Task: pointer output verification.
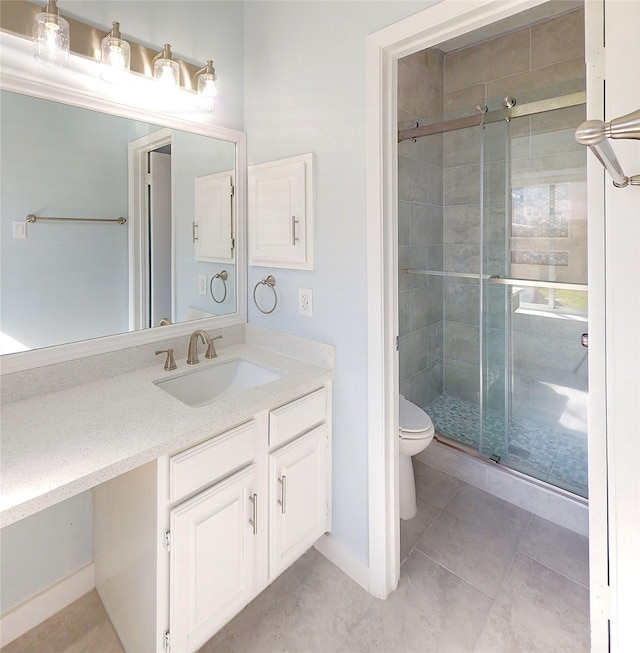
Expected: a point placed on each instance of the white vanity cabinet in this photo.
(183, 543)
(298, 479)
(211, 560)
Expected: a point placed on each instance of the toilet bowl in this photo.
(416, 432)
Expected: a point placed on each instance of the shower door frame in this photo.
(443, 21)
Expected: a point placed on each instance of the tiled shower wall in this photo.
(420, 216)
(522, 64)
(439, 205)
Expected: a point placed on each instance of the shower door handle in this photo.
(584, 340)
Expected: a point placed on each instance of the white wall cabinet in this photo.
(280, 213)
(182, 544)
(213, 226)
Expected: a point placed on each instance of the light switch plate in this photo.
(202, 284)
(19, 229)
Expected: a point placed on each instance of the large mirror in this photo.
(173, 260)
(76, 147)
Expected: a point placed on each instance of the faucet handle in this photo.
(170, 363)
(211, 350)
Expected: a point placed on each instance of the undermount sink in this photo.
(202, 386)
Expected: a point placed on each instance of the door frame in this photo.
(436, 24)
(139, 228)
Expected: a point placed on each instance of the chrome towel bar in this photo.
(593, 134)
(37, 218)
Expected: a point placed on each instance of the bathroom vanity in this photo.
(184, 542)
(196, 509)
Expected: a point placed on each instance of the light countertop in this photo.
(57, 445)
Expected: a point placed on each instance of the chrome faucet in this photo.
(192, 354)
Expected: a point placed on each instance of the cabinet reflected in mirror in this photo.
(74, 280)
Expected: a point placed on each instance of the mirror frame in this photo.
(80, 85)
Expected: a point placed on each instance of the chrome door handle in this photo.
(584, 339)
(254, 519)
(282, 501)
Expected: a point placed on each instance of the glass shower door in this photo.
(534, 310)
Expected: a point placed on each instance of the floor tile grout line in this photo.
(464, 580)
(355, 625)
(516, 551)
(555, 571)
(421, 536)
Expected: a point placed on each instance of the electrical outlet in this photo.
(202, 284)
(305, 302)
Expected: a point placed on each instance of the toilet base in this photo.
(408, 505)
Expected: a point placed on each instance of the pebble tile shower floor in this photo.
(478, 575)
(557, 456)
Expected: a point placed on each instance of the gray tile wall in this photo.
(440, 214)
(420, 220)
(524, 64)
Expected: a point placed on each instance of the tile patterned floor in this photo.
(478, 575)
(557, 456)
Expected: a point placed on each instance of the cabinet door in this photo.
(297, 498)
(213, 234)
(281, 213)
(211, 559)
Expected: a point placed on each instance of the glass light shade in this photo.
(207, 90)
(51, 39)
(166, 71)
(116, 57)
(207, 86)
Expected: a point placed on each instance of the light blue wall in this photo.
(41, 549)
(305, 92)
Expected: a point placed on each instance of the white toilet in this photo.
(416, 432)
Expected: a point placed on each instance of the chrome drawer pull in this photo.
(283, 500)
(254, 520)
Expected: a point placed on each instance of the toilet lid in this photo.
(412, 418)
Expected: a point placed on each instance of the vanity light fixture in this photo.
(51, 36)
(115, 56)
(207, 91)
(166, 71)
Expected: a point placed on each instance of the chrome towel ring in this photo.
(271, 282)
(223, 276)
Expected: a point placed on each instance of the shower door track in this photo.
(467, 450)
(517, 111)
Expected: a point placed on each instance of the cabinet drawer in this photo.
(297, 417)
(211, 460)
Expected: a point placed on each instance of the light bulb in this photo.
(166, 71)
(207, 89)
(51, 37)
(116, 56)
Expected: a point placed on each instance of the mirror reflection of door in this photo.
(159, 225)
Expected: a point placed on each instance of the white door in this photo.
(213, 233)
(159, 237)
(211, 560)
(298, 498)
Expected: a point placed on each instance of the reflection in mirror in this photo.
(64, 281)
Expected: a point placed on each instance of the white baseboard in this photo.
(46, 603)
(344, 559)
